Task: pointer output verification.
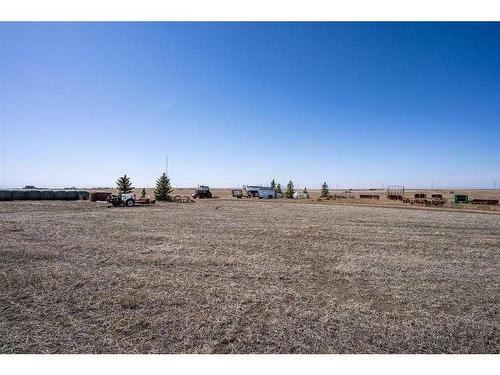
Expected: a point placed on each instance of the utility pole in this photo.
(166, 164)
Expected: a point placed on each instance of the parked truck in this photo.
(117, 200)
(128, 200)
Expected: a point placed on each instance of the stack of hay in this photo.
(42, 194)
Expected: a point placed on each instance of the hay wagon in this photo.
(395, 192)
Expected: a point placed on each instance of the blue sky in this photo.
(355, 104)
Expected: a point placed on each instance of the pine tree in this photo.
(163, 188)
(278, 189)
(289, 190)
(124, 185)
(143, 193)
(325, 192)
(273, 185)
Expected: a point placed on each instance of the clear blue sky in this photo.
(358, 105)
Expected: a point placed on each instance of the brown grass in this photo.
(246, 277)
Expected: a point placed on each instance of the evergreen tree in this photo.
(163, 188)
(289, 190)
(124, 185)
(143, 193)
(278, 189)
(325, 192)
(273, 184)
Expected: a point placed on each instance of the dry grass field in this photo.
(245, 276)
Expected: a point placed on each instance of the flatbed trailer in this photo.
(484, 201)
(145, 201)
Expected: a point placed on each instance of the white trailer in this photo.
(261, 192)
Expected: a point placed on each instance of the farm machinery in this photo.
(421, 199)
(237, 193)
(128, 200)
(183, 199)
(463, 198)
(202, 192)
(395, 192)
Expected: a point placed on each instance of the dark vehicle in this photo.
(202, 192)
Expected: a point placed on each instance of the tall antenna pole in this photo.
(166, 163)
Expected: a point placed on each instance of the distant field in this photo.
(383, 201)
(246, 276)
